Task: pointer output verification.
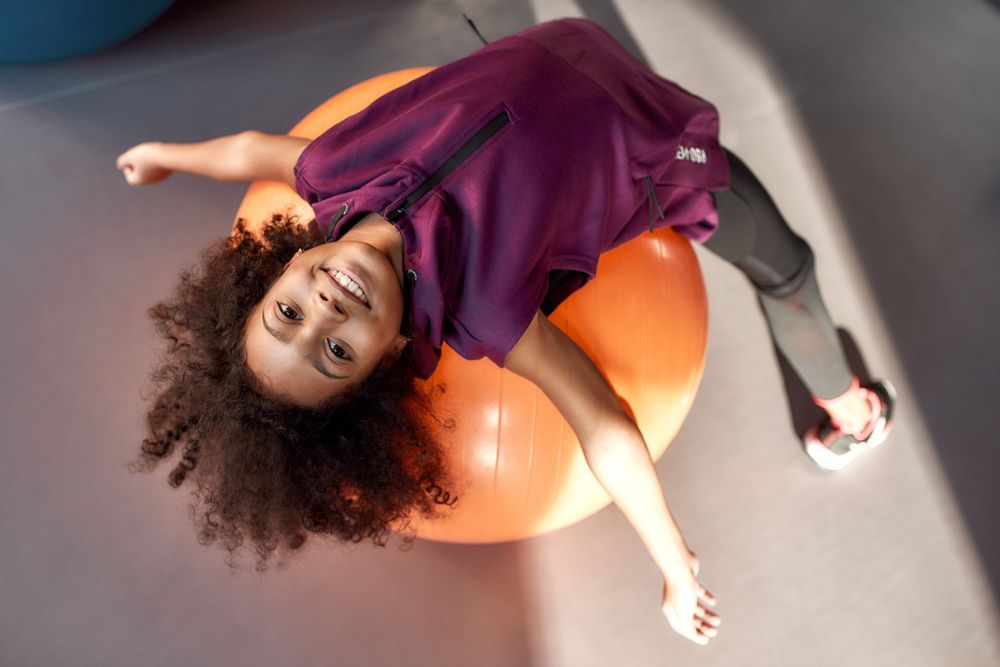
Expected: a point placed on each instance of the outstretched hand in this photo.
(684, 600)
(141, 166)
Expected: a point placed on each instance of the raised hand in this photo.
(141, 166)
(684, 600)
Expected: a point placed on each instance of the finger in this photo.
(708, 596)
(706, 626)
(707, 616)
(707, 630)
(698, 637)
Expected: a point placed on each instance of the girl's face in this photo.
(309, 339)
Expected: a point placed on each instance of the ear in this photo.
(396, 351)
(290, 260)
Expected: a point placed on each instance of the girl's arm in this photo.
(245, 156)
(617, 454)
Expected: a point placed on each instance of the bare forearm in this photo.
(220, 158)
(624, 468)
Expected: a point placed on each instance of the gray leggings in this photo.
(754, 237)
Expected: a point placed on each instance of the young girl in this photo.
(461, 208)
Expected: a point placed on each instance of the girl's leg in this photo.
(754, 237)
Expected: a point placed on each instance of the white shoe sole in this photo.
(826, 459)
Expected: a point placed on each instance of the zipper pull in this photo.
(652, 198)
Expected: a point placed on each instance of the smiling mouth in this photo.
(340, 279)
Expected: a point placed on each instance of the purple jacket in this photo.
(508, 172)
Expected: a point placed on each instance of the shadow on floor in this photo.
(901, 126)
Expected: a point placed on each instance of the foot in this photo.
(832, 446)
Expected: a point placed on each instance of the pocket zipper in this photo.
(459, 156)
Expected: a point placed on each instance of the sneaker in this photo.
(832, 449)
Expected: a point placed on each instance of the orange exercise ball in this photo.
(517, 464)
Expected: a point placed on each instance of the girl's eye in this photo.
(334, 347)
(287, 311)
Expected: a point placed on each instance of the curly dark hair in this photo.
(265, 468)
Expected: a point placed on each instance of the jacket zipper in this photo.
(452, 163)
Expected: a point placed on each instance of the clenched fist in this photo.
(141, 166)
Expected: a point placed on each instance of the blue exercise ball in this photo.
(33, 31)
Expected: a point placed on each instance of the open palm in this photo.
(684, 605)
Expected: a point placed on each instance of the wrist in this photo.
(678, 562)
(163, 154)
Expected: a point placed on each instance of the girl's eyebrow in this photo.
(311, 359)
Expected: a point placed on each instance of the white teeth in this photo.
(351, 286)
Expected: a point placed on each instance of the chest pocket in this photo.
(495, 123)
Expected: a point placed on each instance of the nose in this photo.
(328, 303)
